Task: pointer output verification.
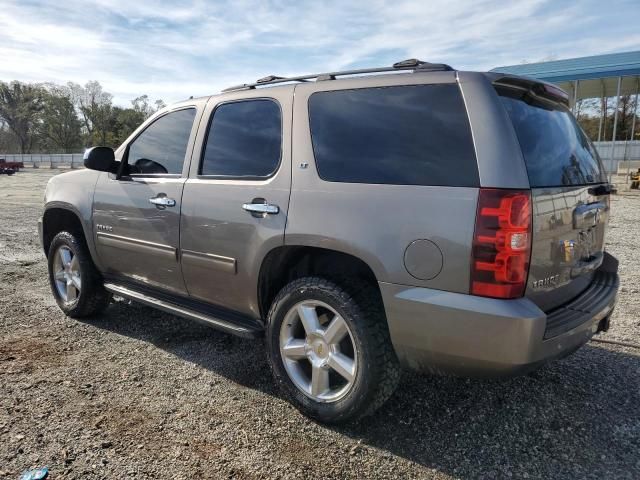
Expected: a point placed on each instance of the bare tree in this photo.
(94, 107)
(159, 104)
(141, 104)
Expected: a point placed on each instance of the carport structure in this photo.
(599, 76)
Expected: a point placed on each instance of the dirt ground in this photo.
(141, 394)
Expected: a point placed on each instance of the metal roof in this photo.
(583, 68)
(596, 74)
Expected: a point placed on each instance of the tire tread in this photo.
(94, 299)
(384, 368)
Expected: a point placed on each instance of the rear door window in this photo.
(406, 135)
(556, 150)
(244, 140)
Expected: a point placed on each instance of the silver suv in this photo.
(412, 216)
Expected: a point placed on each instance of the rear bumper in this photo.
(452, 333)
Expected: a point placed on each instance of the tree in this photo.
(141, 105)
(160, 104)
(56, 118)
(20, 108)
(128, 119)
(7, 138)
(591, 111)
(95, 108)
(625, 117)
(103, 119)
(60, 128)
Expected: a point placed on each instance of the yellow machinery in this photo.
(635, 180)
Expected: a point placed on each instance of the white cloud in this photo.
(172, 50)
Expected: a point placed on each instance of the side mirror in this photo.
(101, 159)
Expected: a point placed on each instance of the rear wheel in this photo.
(75, 282)
(329, 349)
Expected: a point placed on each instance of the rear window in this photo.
(408, 135)
(556, 150)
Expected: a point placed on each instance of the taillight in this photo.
(501, 243)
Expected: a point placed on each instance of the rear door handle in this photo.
(260, 208)
(163, 201)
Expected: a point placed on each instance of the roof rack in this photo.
(410, 64)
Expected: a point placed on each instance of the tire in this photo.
(90, 298)
(373, 369)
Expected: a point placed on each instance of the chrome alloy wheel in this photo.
(66, 273)
(318, 351)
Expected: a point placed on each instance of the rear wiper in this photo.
(605, 189)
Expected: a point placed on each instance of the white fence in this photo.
(624, 154)
(622, 151)
(44, 160)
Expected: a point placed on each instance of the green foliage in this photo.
(20, 108)
(59, 129)
(51, 118)
(127, 120)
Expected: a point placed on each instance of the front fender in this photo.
(73, 191)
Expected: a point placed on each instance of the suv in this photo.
(412, 216)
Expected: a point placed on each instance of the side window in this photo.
(244, 140)
(162, 146)
(406, 135)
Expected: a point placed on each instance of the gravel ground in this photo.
(138, 393)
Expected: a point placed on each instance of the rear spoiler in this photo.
(532, 85)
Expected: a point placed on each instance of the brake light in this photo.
(556, 92)
(501, 243)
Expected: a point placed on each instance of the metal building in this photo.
(599, 76)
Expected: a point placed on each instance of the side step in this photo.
(227, 326)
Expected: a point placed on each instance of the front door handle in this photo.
(163, 201)
(260, 208)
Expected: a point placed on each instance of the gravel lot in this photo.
(138, 393)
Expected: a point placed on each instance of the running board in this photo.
(184, 312)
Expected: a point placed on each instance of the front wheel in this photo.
(75, 282)
(329, 349)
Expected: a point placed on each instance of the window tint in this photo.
(162, 146)
(556, 151)
(414, 135)
(244, 140)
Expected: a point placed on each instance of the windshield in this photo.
(556, 150)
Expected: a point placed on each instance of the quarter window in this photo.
(407, 135)
(244, 140)
(162, 146)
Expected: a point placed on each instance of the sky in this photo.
(172, 50)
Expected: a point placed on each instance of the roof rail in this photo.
(410, 64)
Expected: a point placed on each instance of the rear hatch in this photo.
(570, 200)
